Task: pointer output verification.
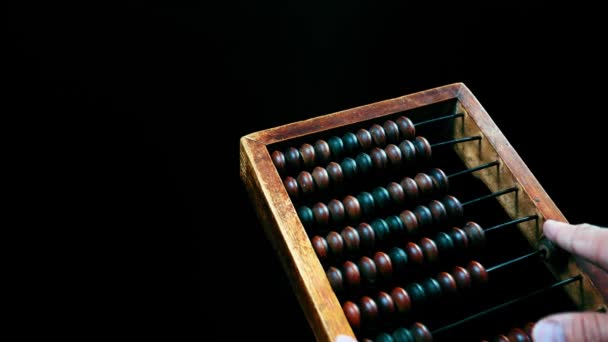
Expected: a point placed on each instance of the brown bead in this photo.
(406, 127)
(278, 159)
(395, 191)
(425, 185)
(459, 237)
(307, 152)
(292, 187)
(351, 240)
(383, 265)
(429, 249)
(378, 135)
(478, 273)
(476, 235)
(306, 182)
(411, 190)
(352, 208)
(321, 214)
(423, 149)
(352, 277)
(386, 306)
(367, 268)
(334, 170)
(379, 158)
(394, 155)
(335, 279)
(410, 222)
(367, 236)
(292, 159)
(414, 253)
(353, 314)
(322, 152)
(392, 131)
(528, 329)
(320, 246)
(369, 309)
(462, 278)
(402, 300)
(365, 139)
(408, 153)
(336, 211)
(518, 335)
(335, 243)
(421, 333)
(321, 178)
(448, 284)
(440, 215)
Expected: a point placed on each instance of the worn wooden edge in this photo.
(357, 114)
(531, 198)
(288, 237)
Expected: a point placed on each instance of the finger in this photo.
(344, 338)
(584, 327)
(584, 240)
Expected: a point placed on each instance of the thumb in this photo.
(586, 326)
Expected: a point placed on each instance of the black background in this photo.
(135, 113)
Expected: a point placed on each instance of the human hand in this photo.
(591, 243)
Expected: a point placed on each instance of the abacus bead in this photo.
(335, 279)
(334, 170)
(518, 335)
(366, 201)
(395, 190)
(445, 246)
(365, 139)
(500, 338)
(414, 254)
(392, 131)
(369, 309)
(462, 278)
(381, 230)
(429, 249)
(335, 243)
(379, 158)
(440, 214)
(336, 147)
(448, 284)
(440, 181)
(398, 260)
(291, 185)
(321, 213)
(421, 333)
(349, 168)
(352, 313)
(423, 216)
(408, 153)
(364, 164)
(352, 277)
(351, 143)
(406, 127)
(478, 273)
(412, 193)
(460, 240)
(403, 335)
(321, 178)
(352, 208)
(367, 236)
(292, 159)
(322, 152)
(452, 206)
(382, 199)
(307, 152)
(320, 246)
(306, 182)
(384, 337)
(432, 289)
(378, 135)
(336, 211)
(278, 159)
(383, 265)
(423, 149)
(395, 226)
(402, 300)
(425, 185)
(410, 222)
(394, 155)
(306, 216)
(476, 235)
(386, 306)
(368, 271)
(351, 240)
(417, 295)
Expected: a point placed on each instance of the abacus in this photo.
(411, 219)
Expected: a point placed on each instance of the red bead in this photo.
(392, 131)
(335, 279)
(459, 237)
(462, 278)
(335, 243)
(429, 249)
(394, 155)
(292, 187)
(352, 208)
(410, 187)
(518, 335)
(402, 300)
(395, 191)
(475, 235)
(478, 273)
(421, 333)
(425, 185)
(448, 284)
(352, 313)
(351, 240)
(367, 268)
(308, 155)
(379, 158)
(320, 246)
(334, 170)
(414, 253)
(365, 139)
(440, 215)
(406, 127)
(352, 276)
(321, 214)
(278, 159)
(410, 222)
(306, 182)
(369, 309)
(383, 265)
(367, 236)
(336, 211)
(378, 135)
(322, 152)
(386, 306)
(321, 178)
(408, 153)
(292, 159)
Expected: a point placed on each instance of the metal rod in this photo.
(451, 116)
(516, 221)
(473, 169)
(494, 194)
(456, 141)
(507, 263)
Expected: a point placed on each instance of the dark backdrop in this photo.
(140, 108)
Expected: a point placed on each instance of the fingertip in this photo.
(344, 338)
(551, 228)
(548, 331)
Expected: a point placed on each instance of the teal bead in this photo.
(349, 168)
(336, 147)
(306, 216)
(382, 198)
(364, 164)
(351, 143)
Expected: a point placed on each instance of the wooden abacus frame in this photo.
(288, 236)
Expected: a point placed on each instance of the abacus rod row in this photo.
(518, 259)
(516, 221)
(451, 116)
(473, 169)
(511, 302)
(456, 141)
(494, 194)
